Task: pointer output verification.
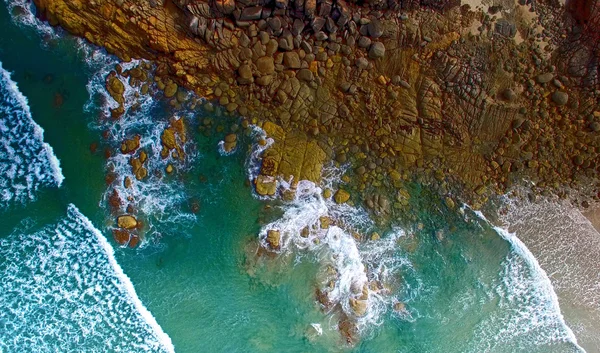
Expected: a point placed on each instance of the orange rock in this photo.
(121, 236)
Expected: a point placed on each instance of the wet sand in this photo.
(566, 243)
(593, 215)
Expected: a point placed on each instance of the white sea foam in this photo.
(253, 162)
(23, 13)
(62, 290)
(567, 246)
(348, 266)
(27, 163)
(529, 306)
(155, 197)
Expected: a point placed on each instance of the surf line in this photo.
(22, 104)
(163, 338)
(521, 249)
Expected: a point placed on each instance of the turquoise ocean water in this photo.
(450, 282)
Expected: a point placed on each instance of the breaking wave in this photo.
(356, 276)
(62, 290)
(530, 313)
(23, 13)
(27, 163)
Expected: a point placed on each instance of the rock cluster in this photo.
(465, 100)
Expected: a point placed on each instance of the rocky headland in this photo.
(482, 97)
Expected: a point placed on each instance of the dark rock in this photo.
(364, 42)
(560, 97)
(321, 36)
(317, 24)
(286, 42)
(375, 29)
(330, 25)
(251, 13)
(306, 47)
(505, 28)
(291, 60)
(310, 8)
(377, 50)
(305, 75)
(325, 8)
(274, 23)
(362, 63)
(350, 42)
(297, 27)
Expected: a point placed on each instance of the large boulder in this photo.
(230, 142)
(274, 239)
(341, 196)
(377, 50)
(265, 185)
(116, 89)
(170, 90)
(245, 74)
(560, 97)
(126, 222)
(375, 28)
(291, 60)
(265, 65)
(130, 145)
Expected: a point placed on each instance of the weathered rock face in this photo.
(131, 30)
(390, 91)
(292, 156)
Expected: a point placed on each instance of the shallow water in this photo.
(465, 286)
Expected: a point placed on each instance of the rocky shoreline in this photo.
(470, 99)
(438, 90)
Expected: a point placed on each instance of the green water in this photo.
(464, 289)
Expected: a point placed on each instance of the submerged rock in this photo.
(359, 307)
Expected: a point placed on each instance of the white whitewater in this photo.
(27, 163)
(350, 269)
(62, 290)
(22, 13)
(154, 195)
(526, 286)
(567, 246)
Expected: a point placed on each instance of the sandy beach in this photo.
(566, 243)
